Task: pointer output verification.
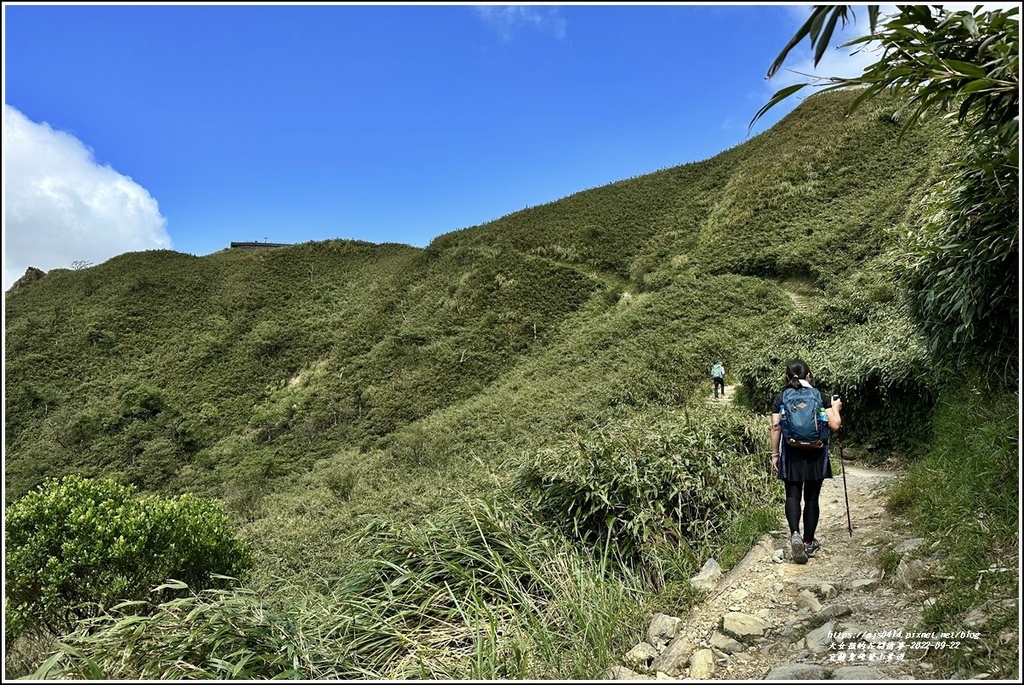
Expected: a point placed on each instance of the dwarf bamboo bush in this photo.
(648, 481)
(415, 374)
(965, 494)
(861, 344)
(383, 336)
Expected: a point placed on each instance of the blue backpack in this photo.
(803, 420)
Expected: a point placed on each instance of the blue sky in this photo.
(189, 126)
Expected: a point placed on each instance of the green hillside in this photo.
(186, 373)
(351, 402)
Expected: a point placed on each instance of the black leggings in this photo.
(811, 490)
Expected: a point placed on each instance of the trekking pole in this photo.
(842, 464)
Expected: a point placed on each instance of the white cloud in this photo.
(506, 20)
(61, 206)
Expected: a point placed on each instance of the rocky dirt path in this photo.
(838, 616)
(835, 617)
(805, 611)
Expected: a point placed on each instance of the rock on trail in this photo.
(835, 617)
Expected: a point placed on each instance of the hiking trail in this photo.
(723, 398)
(839, 616)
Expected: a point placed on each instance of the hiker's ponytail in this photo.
(796, 370)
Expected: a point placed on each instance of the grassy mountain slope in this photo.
(341, 395)
(406, 373)
(180, 372)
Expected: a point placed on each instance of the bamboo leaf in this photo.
(778, 97)
(968, 69)
(826, 38)
(46, 670)
(817, 14)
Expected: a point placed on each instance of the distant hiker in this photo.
(718, 378)
(801, 421)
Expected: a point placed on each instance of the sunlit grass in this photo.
(482, 594)
(965, 495)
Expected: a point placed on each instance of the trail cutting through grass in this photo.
(850, 612)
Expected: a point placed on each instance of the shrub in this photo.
(142, 401)
(964, 493)
(640, 485)
(341, 481)
(870, 355)
(75, 547)
(183, 637)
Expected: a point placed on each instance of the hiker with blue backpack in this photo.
(801, 420)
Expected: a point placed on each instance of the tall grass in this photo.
(965, 493)
(325, 385)
(663, 488)
(484, 593)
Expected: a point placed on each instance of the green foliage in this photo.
(971, 468)
(215, 634)
(74, 548)
(962, 259)
(24, 655)
(964, 61)
(482, 592)
(816, 207)
(963, 264)
(642, 484)
(597, 302)
(341, 482)
(861, 344)
(142, 401)
(965, 495)
(819, 27)
(887, 562)
(336, 396)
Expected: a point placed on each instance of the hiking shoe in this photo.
(799, 551)
(811, 547)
